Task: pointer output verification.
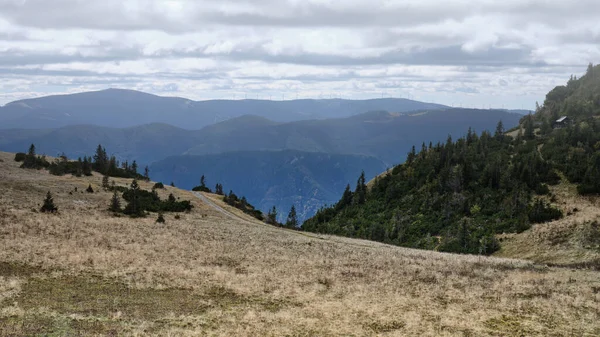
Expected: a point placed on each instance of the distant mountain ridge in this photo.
(127, 108)
(386, 136)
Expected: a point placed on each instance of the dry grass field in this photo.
(85, 272)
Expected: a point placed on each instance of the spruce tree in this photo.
(499, 130)
(105, 183)
(346, 199)
(360, 194)
(89, 189)
(134, 207)
(147, 173)
(48, 205)
(292, 219)
(161, 218)
(272, 216)
(134, 167)
(529, 127)
(115, 203)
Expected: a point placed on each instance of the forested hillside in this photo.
(455, 196)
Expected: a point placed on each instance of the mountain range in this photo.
(279, 143)
(127, 108)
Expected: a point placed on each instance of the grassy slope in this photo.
(567, 241)
(83, 271)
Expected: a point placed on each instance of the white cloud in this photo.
(480, 53)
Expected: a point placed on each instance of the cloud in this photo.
(512, 51)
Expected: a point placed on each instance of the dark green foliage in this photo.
(159, 185)
(243, 205)
(272, 217)
(146, 173)
(115, 203)
(161, 218)
(541, 211)
(219, 189)
(20, 156)
(89, 189)
(32, 161)
(451, 197)
(172, 184)
(141, 201)
(48, 205)
(62, 166)
(134, 206)
(202, 187)
(292, 219)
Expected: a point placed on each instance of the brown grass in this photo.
(571, 240)
(84, 272)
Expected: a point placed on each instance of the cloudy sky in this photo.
(457, 52)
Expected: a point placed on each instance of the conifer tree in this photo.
(100, 159)
(360, 194)
(86, 167)
(48, 205)
(147, 173)
(499, 130)
(115, 203)
(89, 189)
(161, 218)
(105, 183)
(346, 199)
(272, 216)
(292, 219)
(134, 167)
(529, 128)
(134, 207)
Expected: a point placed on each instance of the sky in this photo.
(480, 54)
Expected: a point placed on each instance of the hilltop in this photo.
(216, 271)
(490, 192)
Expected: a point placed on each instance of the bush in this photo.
(89, 189)
(542, 211)
(158, 185)
(20, 156)
(161, 218)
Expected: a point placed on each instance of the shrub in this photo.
(158, 185)
(20, 156)
(89, 189)
(161, 218)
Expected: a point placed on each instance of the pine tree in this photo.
(161, 218)
(134, 207)
(115, 203)
(292, 219)
(360, 194)
(346, 199)
(100, 160)
(86, 167)
(89, 189)
(219, 189)
(172, 184)
(529, 127)
(134, 167)
(105, 183)
(49, 204)
(147, 173)
(272, 216)
(499, 130)
(30, 159)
